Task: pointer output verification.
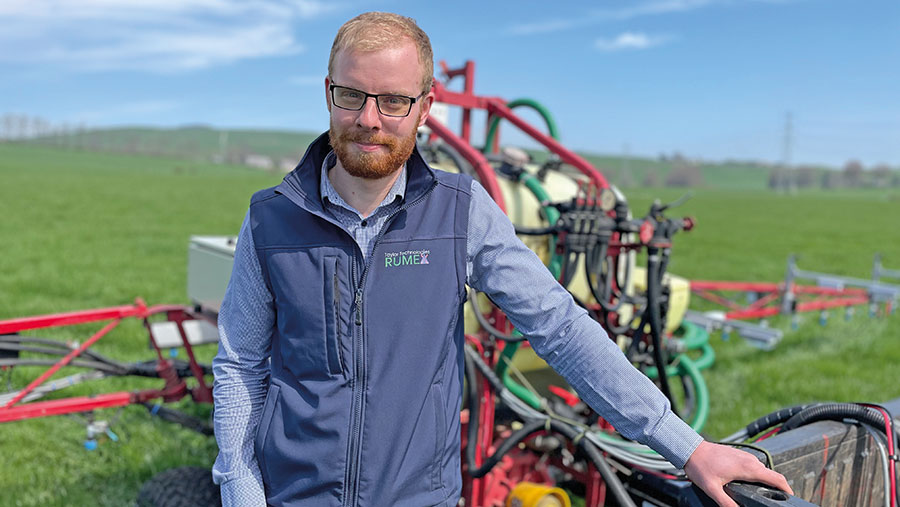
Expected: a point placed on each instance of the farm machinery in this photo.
(527, 439)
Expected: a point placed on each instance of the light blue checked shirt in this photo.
(498, 264)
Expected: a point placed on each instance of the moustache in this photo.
(362, 137)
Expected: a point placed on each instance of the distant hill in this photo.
(194, 142)
(284, 148)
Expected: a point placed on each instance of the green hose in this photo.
(550, 213)
(502, 370)
(697, 338)
(495, 122)
(693, 336)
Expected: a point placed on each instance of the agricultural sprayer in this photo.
(527, 439)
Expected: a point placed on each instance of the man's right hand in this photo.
(712, 466)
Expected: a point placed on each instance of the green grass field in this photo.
(83, 230)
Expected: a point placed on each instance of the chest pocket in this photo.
(333, 325)
(312, 297)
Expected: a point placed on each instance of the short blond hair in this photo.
(373, 31)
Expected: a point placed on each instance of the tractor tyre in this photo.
(180, 487)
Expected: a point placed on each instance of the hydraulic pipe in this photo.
(533, 104)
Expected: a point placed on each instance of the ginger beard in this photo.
(371, 165)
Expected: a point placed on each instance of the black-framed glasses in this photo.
(388, 104)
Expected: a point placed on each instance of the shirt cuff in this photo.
(244, 491)
(674, 439)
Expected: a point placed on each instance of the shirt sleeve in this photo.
(564, 335)
(241, 375)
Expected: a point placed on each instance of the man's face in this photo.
(369, 144)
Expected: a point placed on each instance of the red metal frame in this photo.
(494, 106)
(174, 389)
(493, 489)
(808, 297)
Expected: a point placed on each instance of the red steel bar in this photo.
(716, 298)
(829, 291)
(807, 306)
(765, 300)
(498, 107)
(831, 303)
(468, 74)
(62, 362)
(202, 391)
(773, 287)
(66, 406)
(139, 309)
(479, 163)
(736, 286)
(752, 314)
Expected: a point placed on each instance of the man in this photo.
(359, 402)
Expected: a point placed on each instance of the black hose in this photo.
(638, 335)
(176, 416)
(569, 265)
(612, 480)
(594, 266)
(775, 418)
(461, 164)
(568, 431)
(493, 331)
(59, 345)
(485, 370)
(834, 412)
(37, 350)
(143, 369)
(474, 408)
(654, 283)
(690, 396)
(538, 231)
(78, 363)
(182, 368)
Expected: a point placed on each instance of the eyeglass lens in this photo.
(391, 105)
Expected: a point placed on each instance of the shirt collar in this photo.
(328, 192)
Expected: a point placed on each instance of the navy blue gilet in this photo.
(367, 360)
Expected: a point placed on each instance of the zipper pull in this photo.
(359, 307)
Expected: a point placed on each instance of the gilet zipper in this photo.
(351, 479)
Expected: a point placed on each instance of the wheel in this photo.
(180, 487)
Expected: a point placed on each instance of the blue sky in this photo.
(709, 78)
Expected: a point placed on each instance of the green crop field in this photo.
(83, 230)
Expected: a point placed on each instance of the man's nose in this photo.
(369, 117)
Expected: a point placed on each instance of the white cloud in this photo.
(630, 41)
(555, 25)
(151, 35)
(651, 8)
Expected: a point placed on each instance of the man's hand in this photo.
(712, 466)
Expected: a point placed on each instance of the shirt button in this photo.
(364, 223)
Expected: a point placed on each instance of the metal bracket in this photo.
(879, 292)
(757, 495)
(759, 336)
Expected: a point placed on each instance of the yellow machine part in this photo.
(529, 494)
(679, 295)
(524, 210)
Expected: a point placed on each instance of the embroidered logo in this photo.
(406, 258)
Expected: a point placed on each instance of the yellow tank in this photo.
(529, 494)
(679, 295)
(524, 210)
